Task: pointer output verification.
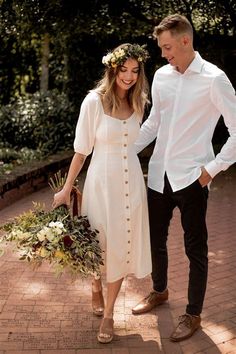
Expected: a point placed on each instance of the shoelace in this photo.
(151, 296)
(186, 319)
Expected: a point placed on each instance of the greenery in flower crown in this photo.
(66, 241)
(119, 56)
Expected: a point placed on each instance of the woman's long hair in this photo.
(138, 94)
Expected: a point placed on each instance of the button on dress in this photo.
(114, 194)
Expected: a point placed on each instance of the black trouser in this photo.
(192, 202)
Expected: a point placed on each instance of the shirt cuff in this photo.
(212, 168)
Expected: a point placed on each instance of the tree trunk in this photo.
(45, 64)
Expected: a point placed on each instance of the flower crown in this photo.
(119, 56)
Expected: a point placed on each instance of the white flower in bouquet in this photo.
(66, 241)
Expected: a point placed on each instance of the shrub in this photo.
(44, 122)
(9, 158)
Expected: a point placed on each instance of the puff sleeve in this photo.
(85, 132)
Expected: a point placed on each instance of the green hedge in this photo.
(44, 122)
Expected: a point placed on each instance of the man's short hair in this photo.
(176, 24)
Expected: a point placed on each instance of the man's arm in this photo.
(149, 129)
(223, 97)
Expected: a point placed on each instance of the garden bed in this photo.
(30, 177)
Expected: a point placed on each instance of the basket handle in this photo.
(76, 198)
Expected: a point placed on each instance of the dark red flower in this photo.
(67, 241)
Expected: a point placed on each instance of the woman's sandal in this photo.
(106, 330)
(98, 303)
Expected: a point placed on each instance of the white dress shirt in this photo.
(185, 111)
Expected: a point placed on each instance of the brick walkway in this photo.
(40, 314)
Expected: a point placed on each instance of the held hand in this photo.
(62, 197)
(205, 178)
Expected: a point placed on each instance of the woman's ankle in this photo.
(96, 285)
(108, 314)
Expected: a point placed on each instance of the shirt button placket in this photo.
(126, 190)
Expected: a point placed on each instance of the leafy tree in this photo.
(58, 44)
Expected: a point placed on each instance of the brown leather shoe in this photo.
(188, 324)
(149, 302)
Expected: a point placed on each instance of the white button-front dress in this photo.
(114, 194)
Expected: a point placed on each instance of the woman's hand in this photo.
(62, 197)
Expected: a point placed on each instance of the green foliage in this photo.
(65, 240)
(40, 122)
(80, 34)
(57, 181)
(9, 158)
(55, 236)
(8, 155)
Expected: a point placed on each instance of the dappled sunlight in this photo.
(217, 257)
(222, 332)
(35, 287)
(47, 309)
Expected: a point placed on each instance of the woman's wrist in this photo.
(67, 188)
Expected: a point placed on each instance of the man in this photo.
(189, 94)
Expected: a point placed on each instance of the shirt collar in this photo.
(196, 64)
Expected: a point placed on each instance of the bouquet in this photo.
(67, 241)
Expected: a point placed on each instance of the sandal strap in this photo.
(98, 303)
(97, 295)
(107, 326)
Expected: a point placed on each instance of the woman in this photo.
(114, 195)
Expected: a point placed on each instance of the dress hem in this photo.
(127, 274)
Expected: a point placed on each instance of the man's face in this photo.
(173, 48)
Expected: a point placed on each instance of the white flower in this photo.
(56, 224)
(57, 227)
(46, 233)
(119, 53)
(41, 235)
(107, 58)
(118, 57)
(50, 235)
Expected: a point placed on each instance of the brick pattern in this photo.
(40, 314)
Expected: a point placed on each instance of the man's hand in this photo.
(205, 178)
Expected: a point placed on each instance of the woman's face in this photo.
(127, 75)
